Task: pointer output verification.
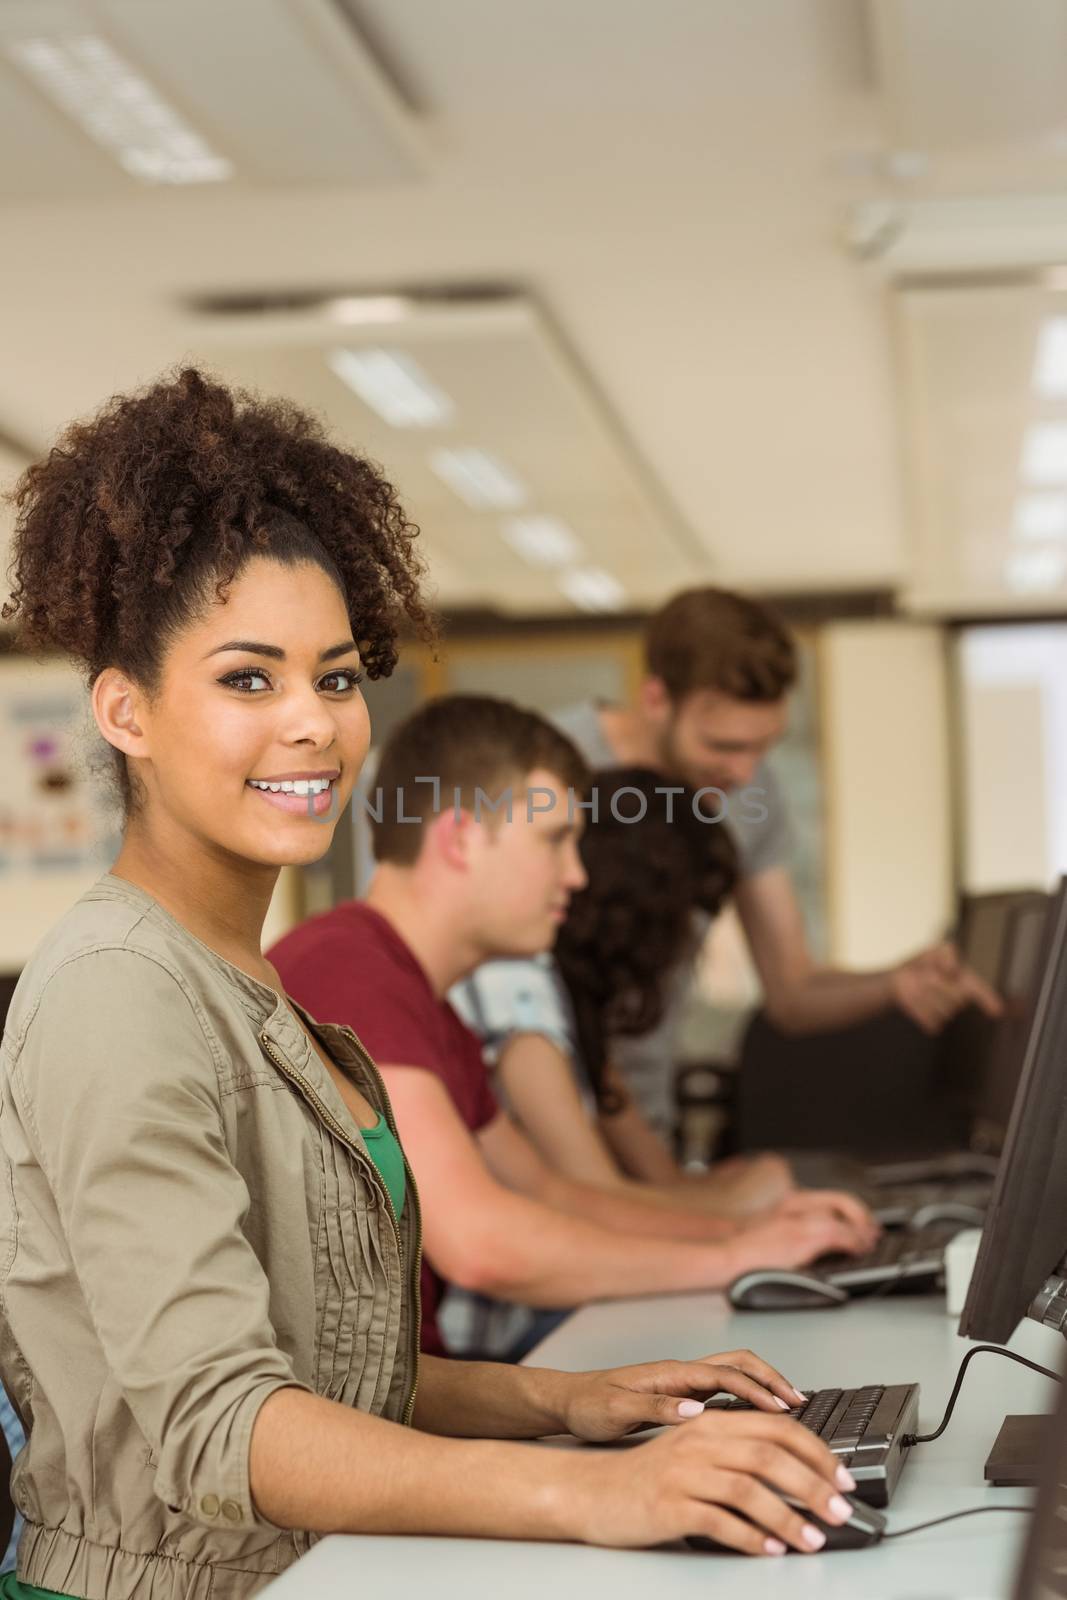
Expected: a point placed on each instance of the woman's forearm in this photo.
(489, 1399)
(308, 1469)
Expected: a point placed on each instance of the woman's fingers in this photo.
(711, 1521)
(766, 1512)
(783, 1469)
(741, 1373)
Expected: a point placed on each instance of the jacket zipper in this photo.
(327, 1116)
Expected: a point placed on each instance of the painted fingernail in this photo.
(773, 1547)
(690, 1408)
(840, 1508)
(800, 1395)
(814, 1538)
(780, 1402)
(844, 1479)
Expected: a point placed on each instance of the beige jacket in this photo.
(189, 1220)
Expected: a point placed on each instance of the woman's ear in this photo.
(117, 706)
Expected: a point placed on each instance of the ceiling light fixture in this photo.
(1040, 516)
(482, 481)
(1050, 368)
(354, 309)
(593, 589)
(119, 109)
(1045, 453)
(394, 385)
(543, 541)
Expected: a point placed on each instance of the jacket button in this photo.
(209, 1505)
(231, 1511)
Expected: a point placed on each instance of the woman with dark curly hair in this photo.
(209, 1238)
(658, 872)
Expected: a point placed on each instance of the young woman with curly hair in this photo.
(209, 1239)
(657, 873)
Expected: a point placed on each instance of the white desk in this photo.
(883, 1342)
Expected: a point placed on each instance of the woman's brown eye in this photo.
(349, 680)
(242, 680)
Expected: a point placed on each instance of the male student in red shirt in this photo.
(477, 858)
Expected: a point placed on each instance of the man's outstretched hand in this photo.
(936, 985)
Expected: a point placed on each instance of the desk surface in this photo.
(880, 1341)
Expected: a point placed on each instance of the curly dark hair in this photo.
(633, 923)
(135, 516)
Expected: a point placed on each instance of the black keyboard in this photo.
(865, 1429)
(910, 1259)
(903, 1194)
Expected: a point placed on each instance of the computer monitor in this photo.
(1017, 981)
(1042, 1573)
(1025, 1235)
(983, 926)
(980, 1053)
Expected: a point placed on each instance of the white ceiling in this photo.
(673, 182)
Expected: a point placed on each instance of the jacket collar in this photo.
(268, 1010)
(259, 999)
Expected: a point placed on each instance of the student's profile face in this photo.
(711, 740)
(527, 867)
(252, 691)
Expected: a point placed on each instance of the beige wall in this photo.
(1005, 817)
(886, 754)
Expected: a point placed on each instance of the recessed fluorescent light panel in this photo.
(394, 385)
(119, 109)
(353, 309)
(1041, 516)
(1050, 368)
(593, 589)
(543, 541)
(482, 481)
(1035, 571)
(1045, 453)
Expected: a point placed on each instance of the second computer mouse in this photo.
(865, 1527)
(774, 1289)
(935, 1211)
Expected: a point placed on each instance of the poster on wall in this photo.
(55, 813)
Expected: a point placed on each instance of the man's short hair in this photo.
(715, 639)
(469, 744)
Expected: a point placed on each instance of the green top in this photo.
(388, 1157)
(12, 1589)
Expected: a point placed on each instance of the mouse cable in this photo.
(935, 1522)
(994, 1350)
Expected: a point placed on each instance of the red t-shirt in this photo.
(349, 965)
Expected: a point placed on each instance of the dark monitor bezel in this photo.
(1001, 1067)
(1017, 1254)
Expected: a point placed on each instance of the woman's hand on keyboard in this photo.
(599, 1406)
(716, 1477)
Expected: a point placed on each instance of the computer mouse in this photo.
(960, 1211)
(774, 1289)
(865, 1527)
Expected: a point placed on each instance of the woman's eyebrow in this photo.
(276, 653)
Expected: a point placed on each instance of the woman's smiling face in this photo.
(263, 688)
